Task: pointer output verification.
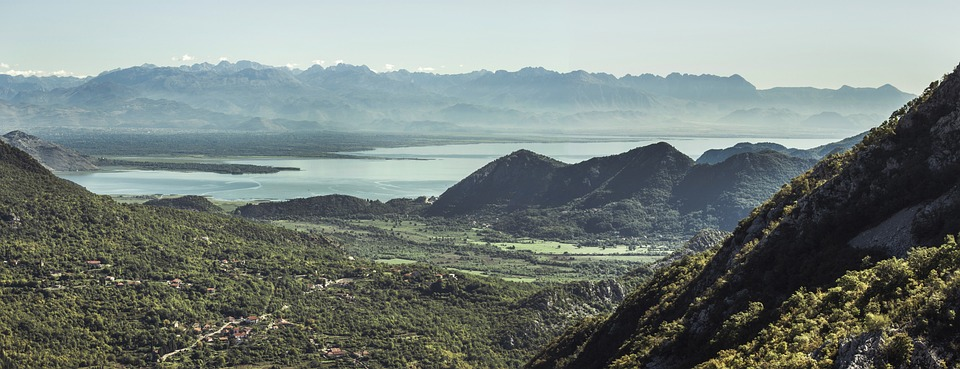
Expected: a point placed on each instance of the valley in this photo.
(477, 241)
(545, 250)
(243, 215)
(486, 252)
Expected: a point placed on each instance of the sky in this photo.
(771, 43)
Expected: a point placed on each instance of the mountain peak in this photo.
(511, 181)
(522, 153)
(19, 135)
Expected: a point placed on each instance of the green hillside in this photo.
(89, 282)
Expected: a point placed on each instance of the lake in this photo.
(373, 178)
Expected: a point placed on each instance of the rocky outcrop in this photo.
(51, 155)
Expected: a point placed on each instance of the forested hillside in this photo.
(852, 264)
(341, 206)
(88, 282)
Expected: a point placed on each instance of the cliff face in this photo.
(49, 154)
(898, 189)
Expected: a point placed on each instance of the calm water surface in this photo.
(373, 178)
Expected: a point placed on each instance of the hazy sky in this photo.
(769, 42)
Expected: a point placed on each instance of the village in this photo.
(231, 330)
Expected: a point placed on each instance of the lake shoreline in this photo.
(439, 167)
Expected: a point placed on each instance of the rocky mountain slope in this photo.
(49, 154)
(807, 280)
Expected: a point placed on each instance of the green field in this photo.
(462, 247)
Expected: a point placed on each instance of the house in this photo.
(94, 263)
(335, 352)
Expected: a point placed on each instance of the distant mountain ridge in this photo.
(351, 98)
(714, 156)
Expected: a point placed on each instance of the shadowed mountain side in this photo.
(646, 174)
(648, 189)
(724, 189)
(526, 179)
(517, 180)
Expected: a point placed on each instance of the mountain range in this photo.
(645, 190)
(248, 96)
(851, 265)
